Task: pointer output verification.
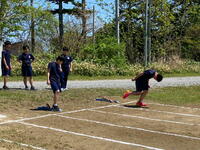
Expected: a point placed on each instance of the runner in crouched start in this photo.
(54, 79)
(142, 85)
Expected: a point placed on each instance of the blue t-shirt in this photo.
(55, 72)
(147, 74)
(66, 63)
(26, 59)
(7, 56)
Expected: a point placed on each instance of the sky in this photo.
(104, 15)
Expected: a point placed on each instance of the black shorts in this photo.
(55, 86)
(141, 85)
(6, 72)
(27, 71)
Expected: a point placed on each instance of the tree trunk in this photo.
(61, 24)
(84, 20)
(32, 28)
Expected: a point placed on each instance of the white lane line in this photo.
(74, 111)
(146, 118)
(90, 136)
(160, 111)
(167, 105)
(2, 116)
(133, 128)
(21, 144)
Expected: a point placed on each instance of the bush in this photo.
(105, 52)
(90, 68)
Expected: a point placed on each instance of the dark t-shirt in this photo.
(26, 59)
(55, 72)
(66, 63)
(7, 56)
(147, 74)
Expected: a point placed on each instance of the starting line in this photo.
(22, 144)
(130, 127)
(68, 112)
(95, 109)
(2, 116)
(90, 136)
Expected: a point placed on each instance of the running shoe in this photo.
(126, 94)
(26, 87)
(32, 88)
(141, 104)
(5, 87)
(56, 108)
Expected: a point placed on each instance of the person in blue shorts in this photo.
(26, 59)
(54, 79)
(5, 63)
(66, 68)
(142, 85)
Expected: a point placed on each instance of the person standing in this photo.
(66, 68)
(54, 79)
(5, 63)
(26, 59)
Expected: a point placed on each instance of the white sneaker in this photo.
(64, 89)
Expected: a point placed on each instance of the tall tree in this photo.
(61, 11)
(84, 20)
(32, 28)
(10, 13)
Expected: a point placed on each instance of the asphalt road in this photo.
(167, 82)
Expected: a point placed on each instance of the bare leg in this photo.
(25, 81)
(56, 97)
(136, 93)
(5, 79)
(142, 96)
(31, 81)
(131, 93)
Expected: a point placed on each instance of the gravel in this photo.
(167, 82)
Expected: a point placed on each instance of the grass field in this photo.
(170, 95)
(87, 124)
(79, 77)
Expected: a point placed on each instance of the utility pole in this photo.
(146, 35)
(149, 32)
(61, 24)
(93, 25)
(117, 20)
(32, 27)
(84, 20)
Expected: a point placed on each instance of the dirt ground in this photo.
(96, 125)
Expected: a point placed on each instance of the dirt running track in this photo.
(104, 126)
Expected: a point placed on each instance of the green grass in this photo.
(176, 95)
(79, 77)
(192, 74)
(171, 95)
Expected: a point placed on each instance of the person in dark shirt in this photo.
(142, 85)
(5, 63)
(66, 67)
(26, 59)
(54, 79)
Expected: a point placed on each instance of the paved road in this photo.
(175, 81)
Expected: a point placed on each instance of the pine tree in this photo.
(76, 10)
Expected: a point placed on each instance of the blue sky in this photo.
(106, 14)
(103, 15)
